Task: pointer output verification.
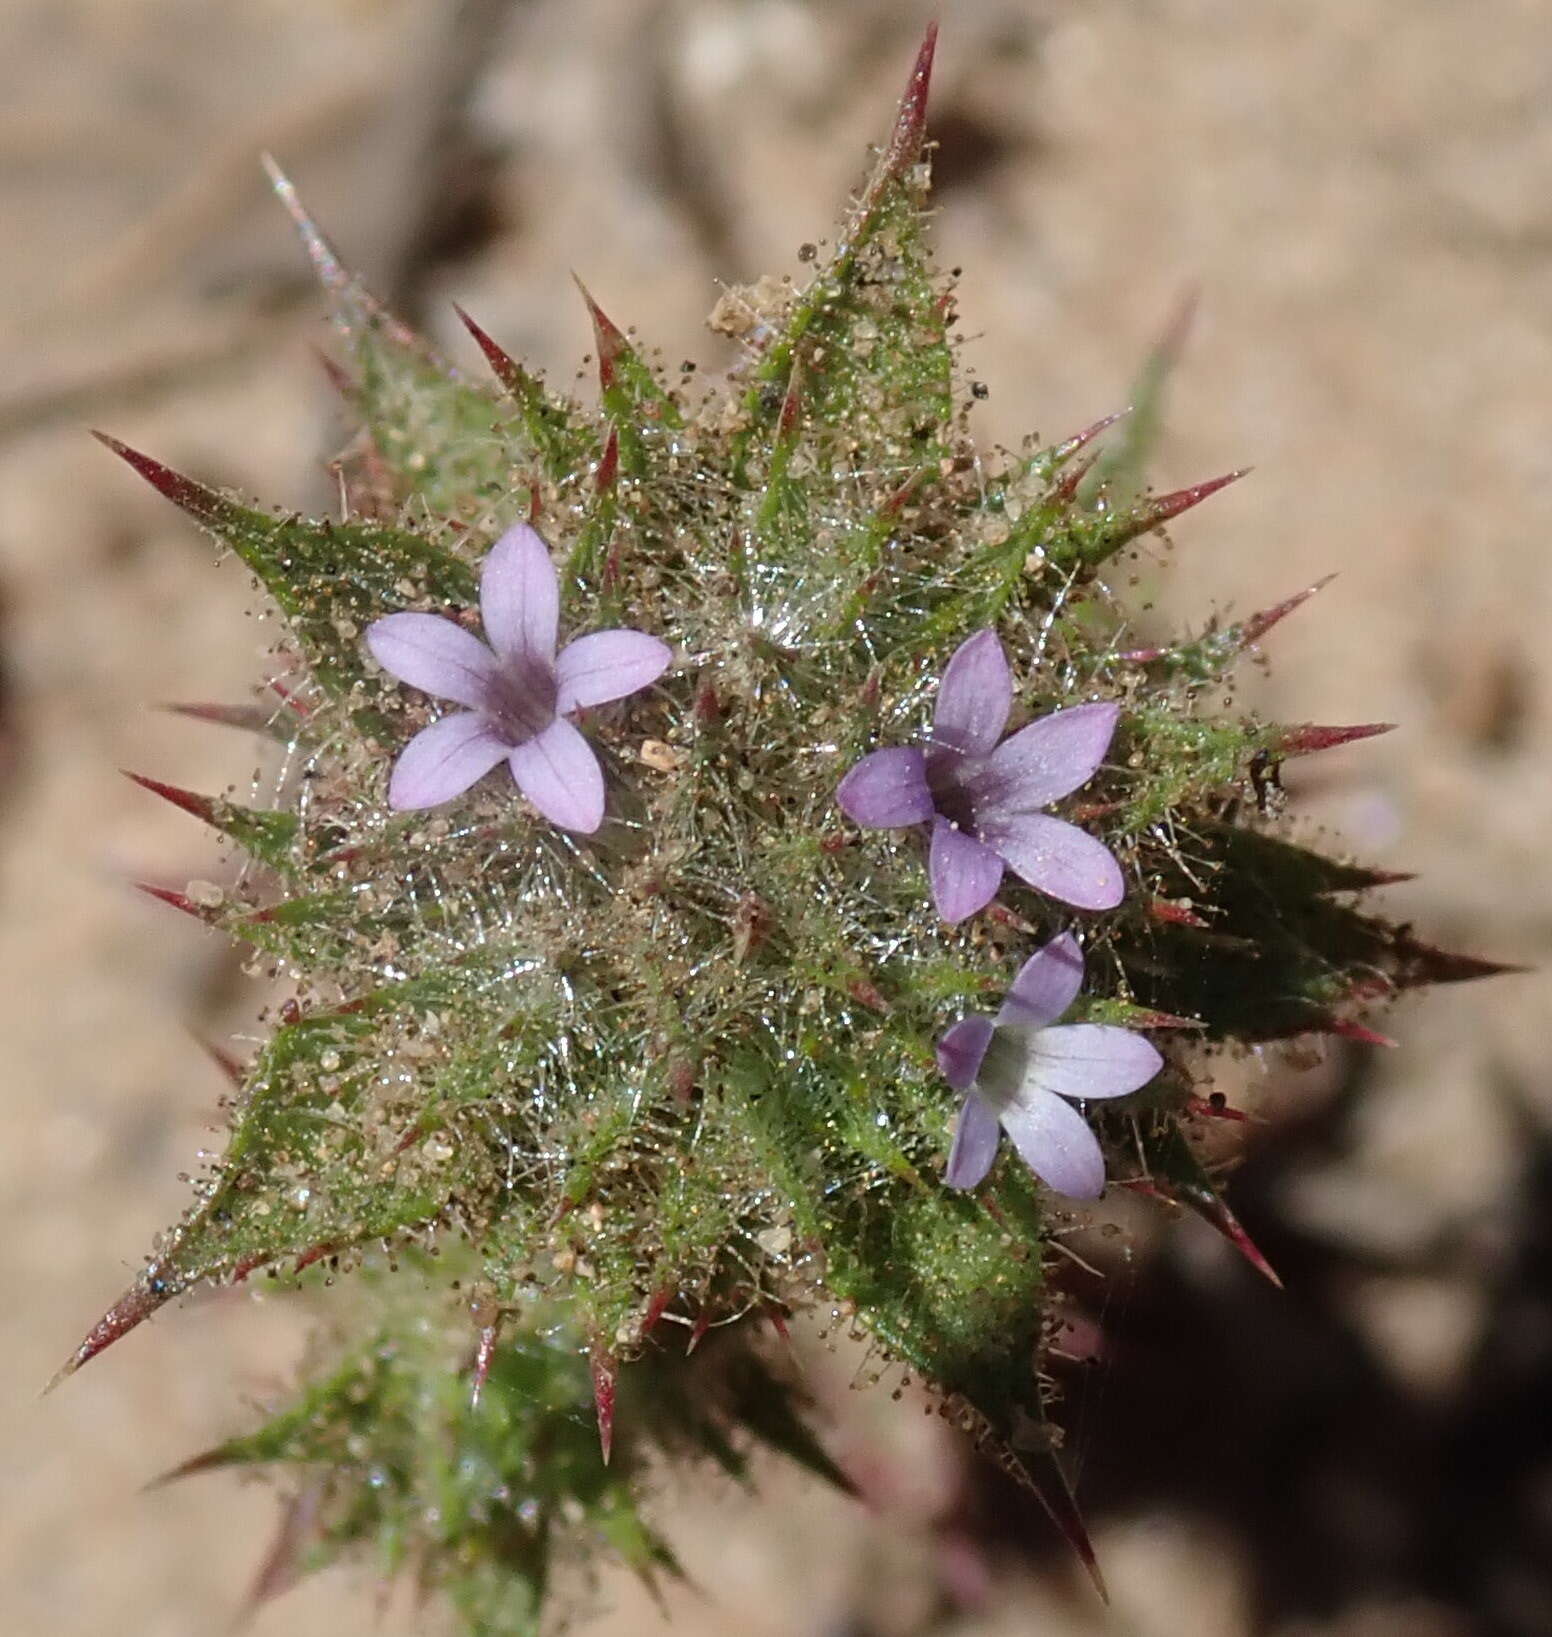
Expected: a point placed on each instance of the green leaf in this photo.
(329, 580)
(451, 445)
(862, 360)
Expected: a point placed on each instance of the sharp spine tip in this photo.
(208, 1461)
(911, 121)
(177, 900)
(1309, 737)
(1067, 486)
(1257, 626)
(250, 718)
(223, 1060)
(605, 1377)
(326, 263)
(200, 502)
(697, 1331)
(338, 377)
(608, 336)
(1080, 440)
(188, 801)
(503, 365)
(791, 403)
(1166, 507)
(148, 1293)
(608, 469)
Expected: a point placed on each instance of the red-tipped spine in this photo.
(610, 339)
(506, 368)
(1155, 513)
(1050, 1486)
(1064, 490)
(338, 377)
(1224, 1220)
(314, 1253)
(608, 469)
(202, 504)
(189, 801)
(1257, 626)
(791, 404)
(1308, 737)
(281, 1567)
(1217, 1214)
(1426, 963)
(905, 141)
(234, 1071)
(606, 1374)
(177, 900)
(698, 1330)
(153, 1289)
(210, 1460)
(250, 718)
(656, 1308)
(1080, 440)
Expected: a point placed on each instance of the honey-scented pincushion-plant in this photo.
(668, 1023)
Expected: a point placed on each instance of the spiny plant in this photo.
(664, 1028)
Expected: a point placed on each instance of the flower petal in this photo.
(1056, 858)
(974, 697)
(975, 1144)
(961, 1048)
(607, 665)
(434, 655)
(1090, 1060)
(1057, 1145)
(442, 761)
(1046, 985)
(1046, 760)
(964, 874)
(560, 775)
(520, 596)
(887, 789)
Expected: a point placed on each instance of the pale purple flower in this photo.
(1016, 1072)
(983, 799)
(518, 691)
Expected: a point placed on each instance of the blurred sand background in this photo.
(1362, 191)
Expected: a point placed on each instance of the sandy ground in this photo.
(1359, 188)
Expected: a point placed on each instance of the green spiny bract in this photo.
(494, 1496)
(682, 1071)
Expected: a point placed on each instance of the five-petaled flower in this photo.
(517, 692)
(1015, 1071)
(983, 799)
